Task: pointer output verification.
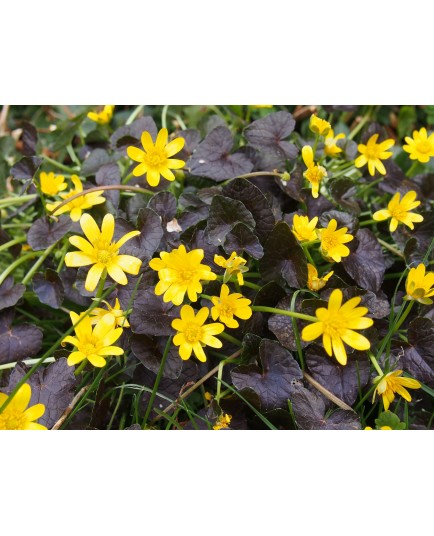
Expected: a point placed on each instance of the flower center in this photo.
(193, 333)
(372, 152)
(398, 213)
(104, 256)
(423, 147)
(185, 276)
(155, 158)
(334, 326)
(88, 349)
(226, 310)
(12, 420)
(330, 241)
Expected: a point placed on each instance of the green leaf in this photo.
(387, 418)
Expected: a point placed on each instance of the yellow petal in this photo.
(22, 398)
(90, 228)
(35, 412)
(93, 277)
(174, 146)
(135, 154)
(108, 227)
(117, 274)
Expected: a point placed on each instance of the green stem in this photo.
(367, 187)
(412, 169)
(375, 363)
(251, 285)
(231, 339)
(72, 155)
(11, 243)
(9, 201)
(295, 329)
(60, 166)
(157, 380)
(37, 264)
(19, 261)
(366, 222)
(390, 248)
(26, 362)
(403, 317)
(315, 145)
(164, 116)
(62, 258)
(134, 114)
(80, 367)
(100, 289)
(292, 314)
(118, 403)
(307, 253)
(359, 127)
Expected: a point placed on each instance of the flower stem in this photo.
(366, 222)
(367, 187)
(37, 264)
(293, 314)
(11, 243)
(375, 363)
(19, 261)
(358, 128)
(315, 145)
(307, 253)
(164, 116)
(16, 200)
(134, 114)
(403, 317)
(59, 165)
(231, 339)
(251, 285)
(412, 169)
(80, 367)
(157, 380)
(390, 248)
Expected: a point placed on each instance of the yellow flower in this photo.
(193, 334)
(261, 105)
(93, 344)
(15, 416)
(399, 210)
(330, 146)
(303, 229)
(421, 146)
(77, 206)
(116, 311)
(373, 153)
(52, 184)
(333, 240)
(336, 325)
(389, 384)
(100, 251)
(230, 305)
(155, 159)
(314, 174)
(104, 116)
(319, 126)
(223, 421)
(382, 428)
(180, 272)
(234, 266)
(420, 286)
(314, 282)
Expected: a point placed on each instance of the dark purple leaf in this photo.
(44, 231)
(192, 139)
(282, 326)
(241, 239)
(109, 175)
(343, 219)
(255, 201)
(267, 136)
(49, 288)
(150, 352)
(309, 412)
(213, 159)
(53, 386)
(164, 204)
(10, 294)
(343, 191)
(224, 214)
(152, 316)
(29, 137)
(26, 168)
(130, 134)
(294, 187)
(284, 259)
(366, 263)
(344, 382)
(14, 250)
(17, 342)
(94, 161)
(272, 382)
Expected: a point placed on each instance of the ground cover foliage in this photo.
(216, 267)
